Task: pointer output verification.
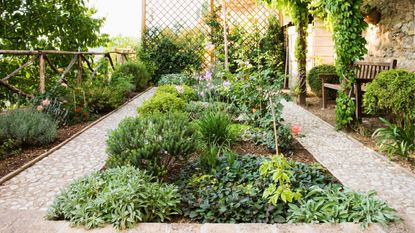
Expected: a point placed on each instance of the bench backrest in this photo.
(369, 70)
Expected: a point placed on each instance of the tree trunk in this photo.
(302, 61)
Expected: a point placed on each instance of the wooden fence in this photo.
(79, 58)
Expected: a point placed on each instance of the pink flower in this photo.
(39, 108)
(179, 89)
(296, 130)
(226, 84)
(45, 103)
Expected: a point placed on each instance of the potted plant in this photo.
(371, 14)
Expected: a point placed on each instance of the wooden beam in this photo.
(68, 68)
(51, 65)
(20, 68)
(32, 52)
(42, 73)
(15, 90)
(89, 63)
(95, 71)
(110, 59)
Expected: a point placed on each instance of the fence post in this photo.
(225, 34)
(143, 18)
(42, 73)
(79, 73)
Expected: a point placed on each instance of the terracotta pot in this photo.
(373, 17)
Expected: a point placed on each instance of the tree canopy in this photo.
(40, 24)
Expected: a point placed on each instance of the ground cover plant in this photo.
(120, 196)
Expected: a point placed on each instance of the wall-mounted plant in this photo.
(371, 14)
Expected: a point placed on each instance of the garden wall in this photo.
(394, 36)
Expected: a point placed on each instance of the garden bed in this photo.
(363, 134)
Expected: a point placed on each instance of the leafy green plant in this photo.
(278, 169)
(136, 71)
(168, 52)
(181, 91)
(232, 191)
(393, 92)
(215, 129)
(314, 81)
(332, 204)
(345, 110)
(120, 196)
(157, 142)
(176, 79)
(27, 127)
(395, 140)
(162, 103)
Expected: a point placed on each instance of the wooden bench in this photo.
(365, 72)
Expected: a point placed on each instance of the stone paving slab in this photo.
(356, 166)
(18, 221)
(35, 188)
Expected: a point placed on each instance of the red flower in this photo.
(296, 130)
(78, 109)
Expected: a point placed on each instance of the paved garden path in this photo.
(355, 165)
(35, 188)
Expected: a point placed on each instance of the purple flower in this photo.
(226, 84)
(208, 76)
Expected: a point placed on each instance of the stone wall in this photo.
(394, 36)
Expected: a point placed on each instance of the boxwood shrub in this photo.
(182, 91)
(136, 70)
(314, 80)
(162, 103)
(392, 91)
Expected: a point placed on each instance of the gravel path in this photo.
(355, 165)
(35, 188)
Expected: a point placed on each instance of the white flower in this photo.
(179, 89)
(39, 108)
(201, 94)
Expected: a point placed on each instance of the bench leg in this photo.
(358, 96)
(324, 95)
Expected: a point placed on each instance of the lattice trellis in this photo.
(187, 15)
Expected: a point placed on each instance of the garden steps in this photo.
(36, 187)
(32, 222)
(354, 165)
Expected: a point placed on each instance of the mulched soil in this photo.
(26, 155)
(299, 154)
(362, 134)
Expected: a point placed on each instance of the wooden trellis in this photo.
(42, 57)
(181, 15)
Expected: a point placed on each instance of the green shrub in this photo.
(156, 143)
(162, 103)
(392, 91)
(332, 204)
(136, 71)
(120, 196)
(315, 81)
(285, 138)
(169, 52)
(176, 79)
(182, 91)
(395, 140)
(216, 130)
(27, 127)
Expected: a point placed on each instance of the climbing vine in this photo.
(346, 21)
(299, 12)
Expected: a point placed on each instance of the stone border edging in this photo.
(46, 154)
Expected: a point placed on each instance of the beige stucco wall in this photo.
(394, 36)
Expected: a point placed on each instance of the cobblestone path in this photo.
(35, 188)
(355, 165)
